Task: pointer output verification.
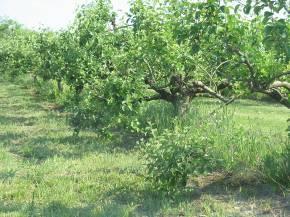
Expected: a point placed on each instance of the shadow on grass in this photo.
(246, 190)
(9, 137)
(53, 209)
(6, 120)
(7, 175)
(42, 148)
(123, 202)
(131, 202)
(150, 202)
(44, 141)
(58, 209)
(6, 208)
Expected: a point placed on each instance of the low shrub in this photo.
(172, 156)
(199, 144)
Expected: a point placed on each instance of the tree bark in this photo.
(35, 79)
(59, 86)
(276, 95)
(181, 105)
(283, 84)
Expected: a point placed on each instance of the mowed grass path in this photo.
(44, 171)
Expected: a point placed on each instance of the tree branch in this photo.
(210, 91)
(220, 65)
(276, 95)
(278, 84)
(249, 66)
(149, 68)
(162, 92)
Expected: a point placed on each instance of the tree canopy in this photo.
(167, 50)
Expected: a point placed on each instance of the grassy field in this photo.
(44, 171)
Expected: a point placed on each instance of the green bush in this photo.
(186, 149)
(200, 143)
(174, 155)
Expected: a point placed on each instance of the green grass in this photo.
(262, 115)
(44, 171)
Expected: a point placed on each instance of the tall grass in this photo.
(219, 143)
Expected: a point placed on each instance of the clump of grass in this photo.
(276, 167)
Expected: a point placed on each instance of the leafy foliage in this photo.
(173, 155)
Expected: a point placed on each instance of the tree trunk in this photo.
(279, 98)
(35, 79)
(79, 88)
(59, 86)
(181, 105)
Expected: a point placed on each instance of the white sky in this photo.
(55, 14)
